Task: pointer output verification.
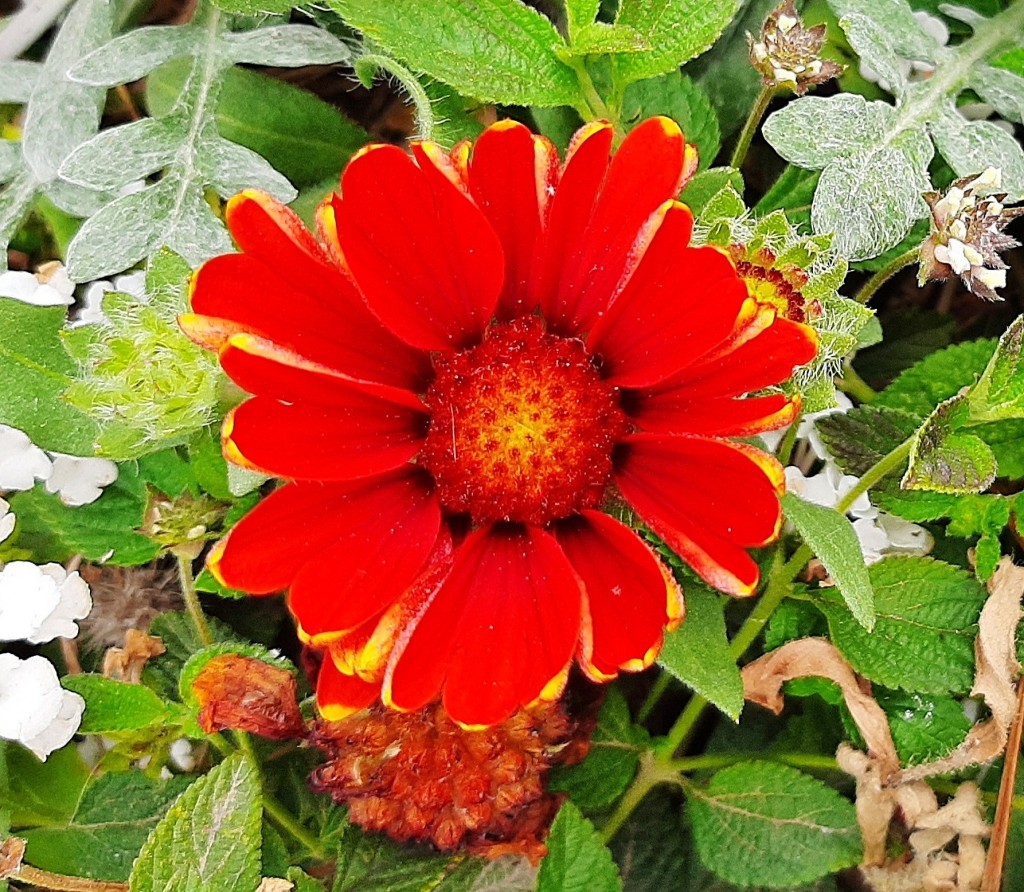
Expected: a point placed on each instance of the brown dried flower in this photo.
(967, 234)
(421, 776)
(789, 55)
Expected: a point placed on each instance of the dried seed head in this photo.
(420, 776)
(967, 234)
(786, 54)
(126, 598)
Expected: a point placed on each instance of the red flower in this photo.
(482, 350)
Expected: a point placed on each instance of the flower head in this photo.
(787, 54)
(41, 602)
(967, 234)
(35, 710)
(482, 350)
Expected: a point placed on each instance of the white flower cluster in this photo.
(880, 534)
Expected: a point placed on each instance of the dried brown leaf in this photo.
(275, 884)
(126, 663)
(995, 646)
(12, 850)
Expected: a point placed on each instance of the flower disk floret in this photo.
(483, 349)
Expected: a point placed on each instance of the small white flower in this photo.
(49, 286)
(40, 603)
(827, 487)
(809, 432)
(35, 710)
(7, 520)
(21, 462)
(91, 310)
(181, 755)
(79, 481)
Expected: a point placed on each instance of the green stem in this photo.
(872, 285)
(191, 596)
(593, 107)
(785, 451)
(885, 465)
(761, 104)
(650, 774)
(657, 691)
(367, 67)
(854, 385)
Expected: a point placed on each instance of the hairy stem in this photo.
(367, 68)
(191, 596)
(872, 285)
(761, 104)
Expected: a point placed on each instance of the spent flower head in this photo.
(788, 54)
(967, 234)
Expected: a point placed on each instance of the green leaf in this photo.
(697, 653)
(793, 189)
(999, 394)
(936, 378)
(116, 814)
(923, 728)
(602, 38)
(302, 881)
(37, 369)
(255, 7)
(650, 847)
(909, 337)
(178, 633)
(43, 793)
(576, 860)
(495, 50)
(209, 840)
(611, 762)
(923, 640)
(676, 31)
(680, 98)
(373, 863)
(834, 541)
(946, 459)
(113, 707)
(581, 13)
(302, 136)
(793, 619)
(708, 183)
(102, 531)
(769, 825)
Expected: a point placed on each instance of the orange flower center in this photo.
(522, 426)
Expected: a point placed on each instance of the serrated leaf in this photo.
(793, 828)
(946, 459)
(650, 848)
(859, 439)
(495, 50)
(923, 640)
(835, 543)
(113, 707)
(37, 369)
(576, 860)
(923, 728)
(680, 98)
(972, 146)
(676, 31)
(896, 18)
(697, 653)
(581, 13)
(1000, 390)
(876, 48)
(209, 840)
(706, 184)
(602, 38)
(611, 761)
(302, 881)
(111, 821)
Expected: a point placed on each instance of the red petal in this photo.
(627, 594)
(339, 333)
(262, 367)
(362, 574)
(708, 499)
(499, 633)
(359, 436)
(296, 522)
(670, 411)
(339, 695)
(766, 359)
(678, 304)
(595, 253)
(424, 256)
(511, 174)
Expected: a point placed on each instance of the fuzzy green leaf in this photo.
(680, 98)
(209, 840)
(707, 184)
(602, 38)
(859, 439)
(581, 13)
(923, 640)
(178, 633)
(697, 653)
(114, 706)
(576, 860)
(676, 31)
(936, 378)
(37, 369)
(769, 825)
(946, 459)
(1000, 391)
(42, 794)
(650, 848)
(611, 762)
(112, 820)
(834, 541)
(495, 50)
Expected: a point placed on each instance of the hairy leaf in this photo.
(114, 706)
(576, 859)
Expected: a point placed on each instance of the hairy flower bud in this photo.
(967, 234)
(786, 54)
